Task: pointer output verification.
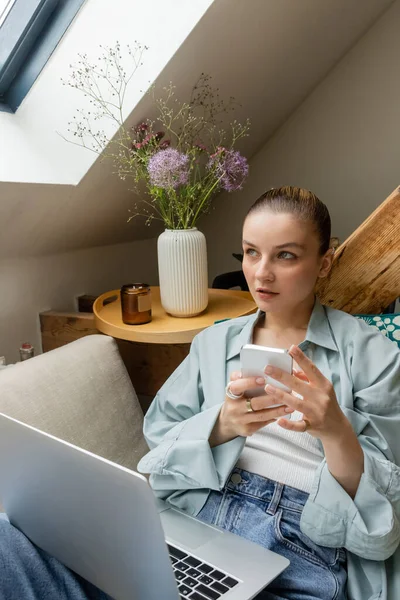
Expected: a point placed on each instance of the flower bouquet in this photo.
(184, 156)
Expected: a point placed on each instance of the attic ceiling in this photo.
(269, 54)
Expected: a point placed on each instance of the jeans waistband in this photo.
(273, 493)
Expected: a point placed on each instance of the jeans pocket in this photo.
(287, 530)
(209, 511)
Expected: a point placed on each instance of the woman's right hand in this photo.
(236, 420)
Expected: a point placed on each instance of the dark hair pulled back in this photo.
(302, 204)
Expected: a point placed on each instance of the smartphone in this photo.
(254, 359)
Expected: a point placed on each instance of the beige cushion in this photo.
(80, 393)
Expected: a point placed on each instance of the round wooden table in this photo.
(164, 329)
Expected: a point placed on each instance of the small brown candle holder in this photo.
(136, 303)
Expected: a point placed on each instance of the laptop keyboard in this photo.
(198, 580)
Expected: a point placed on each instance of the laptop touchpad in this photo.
(185, 530)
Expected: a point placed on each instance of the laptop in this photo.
(103, 521)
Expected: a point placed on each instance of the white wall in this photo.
(30, 286)
(342, 143)
(30, 148)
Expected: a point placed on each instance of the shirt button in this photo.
(236, 478)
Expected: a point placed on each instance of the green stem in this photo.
(204, 200)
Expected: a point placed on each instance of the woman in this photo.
(323, 487)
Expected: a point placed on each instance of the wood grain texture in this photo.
(150, 365)
(59, 328)
(365, 275)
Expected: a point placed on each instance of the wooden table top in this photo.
(164, 329)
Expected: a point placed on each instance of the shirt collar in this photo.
(318, 331)
(244, 336)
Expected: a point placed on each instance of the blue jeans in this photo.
(28, 573)
(268, 513)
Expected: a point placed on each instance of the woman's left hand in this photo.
(322, 415)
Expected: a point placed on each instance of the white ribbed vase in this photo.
(182, 269)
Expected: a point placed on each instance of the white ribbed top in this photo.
(281, 455)
(285, 456)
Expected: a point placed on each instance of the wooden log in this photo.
(365, 275)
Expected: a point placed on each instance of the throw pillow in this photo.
(388, 325)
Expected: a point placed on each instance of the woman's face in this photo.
(281, 260)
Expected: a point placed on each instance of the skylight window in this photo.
(29, 32)
(5, 7)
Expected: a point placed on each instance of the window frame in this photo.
(29, 34)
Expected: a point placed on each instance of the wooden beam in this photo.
(365, 275)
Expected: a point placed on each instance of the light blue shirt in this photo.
(364, 368)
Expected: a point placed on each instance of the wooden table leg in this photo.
(150, 365)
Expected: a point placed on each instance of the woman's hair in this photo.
(302, 204)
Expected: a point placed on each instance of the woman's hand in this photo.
(322, 415)
(236, 419)
(322, 418)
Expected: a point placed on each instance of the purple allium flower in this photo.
(168, 169)
(232, 167)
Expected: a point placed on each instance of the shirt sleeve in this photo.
(367, 525)
(177, 428)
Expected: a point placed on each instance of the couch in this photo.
(80, 393)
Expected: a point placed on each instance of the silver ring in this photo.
(230, 394)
